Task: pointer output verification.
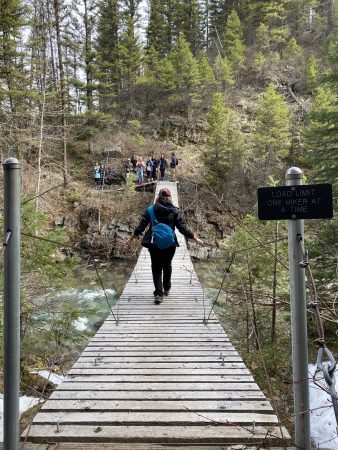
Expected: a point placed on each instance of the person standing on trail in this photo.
(97, 175)
(161, 240)
(162, 165)
(128, 168)
(140, 166)
(154, 162)
(173, 165)
(149, 167)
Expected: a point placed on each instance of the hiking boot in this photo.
(158, 299)
(166, 292)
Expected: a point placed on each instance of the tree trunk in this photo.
(62, 90)
(274, 287)
(254, 319)
(42, 121)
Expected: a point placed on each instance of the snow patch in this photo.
(52, 377)
(25, 404)
(322, 417)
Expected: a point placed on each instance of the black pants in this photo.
(161, 265)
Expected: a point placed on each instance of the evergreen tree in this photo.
(320, 136)
(158, 30)
(217, 19)
(107, 55)
(223, 72)
(312, 71)
(233, 42)
(272, 137)
(12, 83)
(189, 22)
(187, 77)
(225, 145)
(129, 65)
(293, 51)
(274, 31)
(206, 73)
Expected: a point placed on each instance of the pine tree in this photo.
(187, 77)
(189, 22)
(276, 31)
(129, 65)
(312, 71)
(321, 133)
(272, 137)
(223, 72)
(293, 52)
(233, 42)
(158, 30)
(11, 58)
(216, 19)
(206, 73)
(225, 145)
(107, 55)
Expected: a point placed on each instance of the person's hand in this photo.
(130, 240)
(198, 240)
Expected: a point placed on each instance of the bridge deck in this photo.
(161, 376)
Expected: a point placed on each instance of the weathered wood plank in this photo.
(130, 418)
(153, 378)
(173, 366)
(176, 357)
(111, 386)
(162, 405)
(135, 446)
(206, 395)
(84, 367)
(139, 434)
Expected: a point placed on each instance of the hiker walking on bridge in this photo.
(161, 240)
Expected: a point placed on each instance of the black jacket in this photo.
(164, 213)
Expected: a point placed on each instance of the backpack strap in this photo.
(152, 215)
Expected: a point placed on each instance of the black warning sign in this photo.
(312, 201)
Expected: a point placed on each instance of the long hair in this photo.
(165, 196)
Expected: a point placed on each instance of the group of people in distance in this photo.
(153, 169)
(104, 175)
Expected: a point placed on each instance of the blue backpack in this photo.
(163, 236)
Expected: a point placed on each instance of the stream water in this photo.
(85, 302)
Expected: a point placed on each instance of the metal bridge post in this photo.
(294, 177)
(12, 187)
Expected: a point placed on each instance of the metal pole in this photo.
(294, 177)
(12, 186)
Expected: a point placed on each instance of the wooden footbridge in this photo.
(158, 379)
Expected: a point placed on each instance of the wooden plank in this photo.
(205, 395)
(163, 405)
(135, 446)
(176, 357)
(173, 366)
(153, 434)
(154, 378)
(111, 386)
(131, 418)
(159, 372)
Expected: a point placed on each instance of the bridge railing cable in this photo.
(326, 367)
(53, 188)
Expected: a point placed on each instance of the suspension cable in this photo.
(48, 190)
(226, 274)
(328, 367)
